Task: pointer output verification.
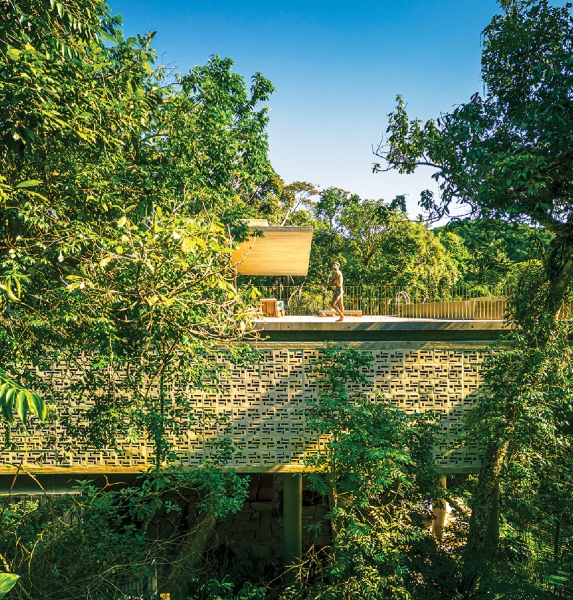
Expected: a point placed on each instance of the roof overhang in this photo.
(278, 251)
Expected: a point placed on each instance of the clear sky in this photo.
(337, 67)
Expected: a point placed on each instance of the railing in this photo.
(451, 302)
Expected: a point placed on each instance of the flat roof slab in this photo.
(374, 328)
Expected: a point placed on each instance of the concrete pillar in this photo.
(440, 514)
(292, 521)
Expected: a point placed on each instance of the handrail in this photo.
(455, 302)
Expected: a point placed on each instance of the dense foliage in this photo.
(493, 251)
(506, 154)
(378, 472)
(106, 543)
(122, 192)
(378, 245)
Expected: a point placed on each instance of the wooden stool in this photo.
(271, 307)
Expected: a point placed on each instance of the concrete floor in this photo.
(366, 319)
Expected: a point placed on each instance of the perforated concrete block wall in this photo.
(265, 405)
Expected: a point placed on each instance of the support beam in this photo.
(292, 521)
(440, 514)
(64, 482)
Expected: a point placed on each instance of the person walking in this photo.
(337, 281)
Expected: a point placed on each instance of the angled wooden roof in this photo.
(280, 251)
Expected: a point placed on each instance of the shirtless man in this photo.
(337, 281)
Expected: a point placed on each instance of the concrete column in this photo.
(292, 520)
(440, 514)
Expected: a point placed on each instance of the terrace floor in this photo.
(366, 319)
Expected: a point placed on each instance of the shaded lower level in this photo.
(280, 520)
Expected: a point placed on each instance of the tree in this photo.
(506, 154)
(161, 298)
(292, 200)
(493, 252)
(105, 542)
(525, 427)
(377, 244)
(121, 193)
(57, 136)
(207, 148)
(135, 180)
(377, 469)
(52, 76)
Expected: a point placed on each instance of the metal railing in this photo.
(445, 302)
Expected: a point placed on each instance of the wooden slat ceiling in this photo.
(281, 251)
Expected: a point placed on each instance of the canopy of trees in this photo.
(122, 192)
(506, 155)
(378, 245)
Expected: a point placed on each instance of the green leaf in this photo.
(10, 393)
(37, 406)
(106, 36)
(187, 245)
(7, 582)
(29, 183)
(9, 292)
(7, 411)
(13, 53)
(36, 195)
(22, 405)
(3, 389)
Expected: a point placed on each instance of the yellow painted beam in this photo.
(109, 470)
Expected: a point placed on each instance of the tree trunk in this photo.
(558, 264)
(332, 504)
(483, 536)
(189, 557)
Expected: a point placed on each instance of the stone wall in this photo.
(258, 527)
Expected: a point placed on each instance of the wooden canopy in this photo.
(280, 251)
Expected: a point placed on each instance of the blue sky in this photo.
(337, 67)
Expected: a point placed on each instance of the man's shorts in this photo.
(337, 294)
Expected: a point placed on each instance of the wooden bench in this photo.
(347, 313)
(271, 307)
